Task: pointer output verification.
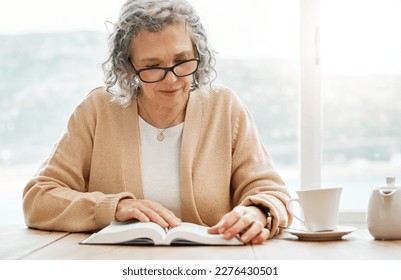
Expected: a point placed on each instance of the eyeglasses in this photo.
(156, 74)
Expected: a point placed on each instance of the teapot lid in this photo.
(390, 181)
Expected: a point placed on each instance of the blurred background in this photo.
(51, 51)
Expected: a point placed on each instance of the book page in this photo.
(188, 233)
(137, 233)
(127, 232)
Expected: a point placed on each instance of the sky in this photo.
(356, 35)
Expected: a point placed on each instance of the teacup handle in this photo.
(289, 207)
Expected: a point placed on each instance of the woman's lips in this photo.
(169, 91)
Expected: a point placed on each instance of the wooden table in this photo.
(18, 242)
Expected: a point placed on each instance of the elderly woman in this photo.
(159, 143)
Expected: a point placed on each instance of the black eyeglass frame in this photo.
(166, 69)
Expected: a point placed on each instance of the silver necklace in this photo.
(161, 135)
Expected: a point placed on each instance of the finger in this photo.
(168, 216)
(255, 229)
(137, 214)
(241, 224)
(215, 229)
(145, 211)
(126, 210)
(148, 208)
(157, 213)
(156, 216)
(262, 237)
(172, 219)
(230, 219)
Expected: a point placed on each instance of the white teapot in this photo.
(384, 211)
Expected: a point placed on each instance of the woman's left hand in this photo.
(247, 221)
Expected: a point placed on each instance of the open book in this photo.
(138, 233)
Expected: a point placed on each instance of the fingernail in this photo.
(245, 239)
(222, 230)
(227, 235)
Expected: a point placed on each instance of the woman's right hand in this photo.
(145, 211)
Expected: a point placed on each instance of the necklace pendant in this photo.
(160, 136)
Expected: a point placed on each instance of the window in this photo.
(361, 96)
(258, 50)
(48, 63)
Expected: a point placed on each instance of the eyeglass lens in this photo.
(180, 70)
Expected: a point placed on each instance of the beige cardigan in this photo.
(97, 162)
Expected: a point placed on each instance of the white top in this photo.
(160, 162)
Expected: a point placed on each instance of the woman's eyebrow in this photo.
(150, 59)
(178, 55)
(184, 53)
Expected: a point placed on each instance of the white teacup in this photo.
(319, 206)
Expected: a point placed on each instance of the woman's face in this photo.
(163, 48)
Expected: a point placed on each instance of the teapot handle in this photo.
(386, 192)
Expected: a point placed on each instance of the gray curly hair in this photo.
(152, 15)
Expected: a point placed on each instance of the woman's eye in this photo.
(180, 61)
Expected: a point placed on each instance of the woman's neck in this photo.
(161, 115)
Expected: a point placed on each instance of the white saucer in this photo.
(336, 234)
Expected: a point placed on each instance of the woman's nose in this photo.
(170, 77)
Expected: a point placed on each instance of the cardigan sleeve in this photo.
(255, 180)
(57, 198)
